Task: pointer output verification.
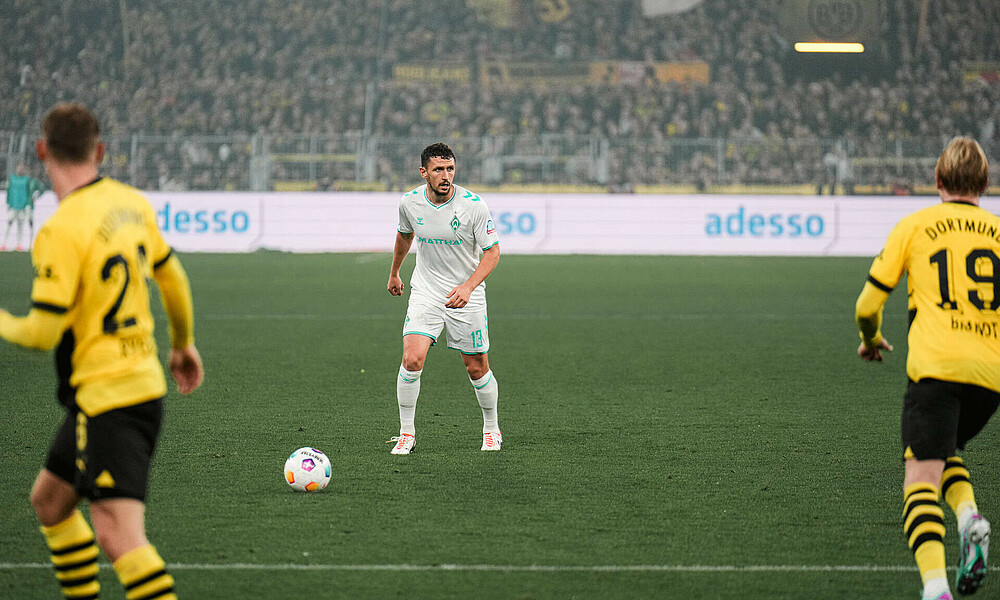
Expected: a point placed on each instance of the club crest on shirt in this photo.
(455, 224)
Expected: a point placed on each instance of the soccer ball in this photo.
(307, 470)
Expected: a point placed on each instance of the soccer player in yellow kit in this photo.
(951, 255)
(90, 297)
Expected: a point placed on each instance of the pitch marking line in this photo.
(532, 317)
(521, 568)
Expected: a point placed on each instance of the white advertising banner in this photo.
(540, 224)
(198, 221)
(210, 221)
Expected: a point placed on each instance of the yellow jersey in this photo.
(951, 254)
(92, 259)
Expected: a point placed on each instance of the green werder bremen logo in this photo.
(454, 223)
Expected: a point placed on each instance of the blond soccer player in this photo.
(950, 253)
(90, 301)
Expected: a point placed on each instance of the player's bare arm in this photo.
(399, 252)
(459, 295)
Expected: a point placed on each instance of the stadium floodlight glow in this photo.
(854, 47)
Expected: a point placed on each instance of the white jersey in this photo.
(450, 238)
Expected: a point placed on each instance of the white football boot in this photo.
(491, 441)
(973, 550)
(404, 443)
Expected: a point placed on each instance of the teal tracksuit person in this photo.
(21, 193)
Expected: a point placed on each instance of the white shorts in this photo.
(468, 328)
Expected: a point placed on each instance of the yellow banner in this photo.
(457, 73)
(540, 73)
(547, 73)
(636, 73)
(982, 72)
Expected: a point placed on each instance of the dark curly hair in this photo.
(439, 150)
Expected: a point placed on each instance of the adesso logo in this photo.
(516, 223)
(204, 221)
(743, 223)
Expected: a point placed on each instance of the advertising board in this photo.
(696, 224)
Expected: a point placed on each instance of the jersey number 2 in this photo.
(940, 259)
(111, 323)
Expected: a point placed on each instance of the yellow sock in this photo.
(956, 487)
(144, 575)
(74, 555)
(923, 522)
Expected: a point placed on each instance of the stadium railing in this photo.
(530, 163)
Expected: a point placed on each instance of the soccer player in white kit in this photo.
(458, 249)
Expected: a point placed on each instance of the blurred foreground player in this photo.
(951, 255)
(458, 249)
(90, 296)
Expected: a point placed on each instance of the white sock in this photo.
(935, 587)
(487, 392)
(407, 390)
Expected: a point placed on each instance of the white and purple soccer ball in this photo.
(307, 470)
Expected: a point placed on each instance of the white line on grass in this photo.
(666, 316)
(518, 568)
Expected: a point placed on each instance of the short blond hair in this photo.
(962, 169)
(71, 132)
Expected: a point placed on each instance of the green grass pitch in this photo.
(674, 427)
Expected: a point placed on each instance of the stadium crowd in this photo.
(179, 71)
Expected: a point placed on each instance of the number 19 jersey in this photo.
(92, 259)
(951, 254)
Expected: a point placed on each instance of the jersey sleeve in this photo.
(176, 292)
(159, 251)
(483, 227)
(888, 267)
(884, 275)
(405, 224)
(57, 261)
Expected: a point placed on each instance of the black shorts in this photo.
(940, 417)
(107, 456)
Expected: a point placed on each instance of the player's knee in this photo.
(40, 504)
(413, 361)
(47, 507)
(477, 370)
